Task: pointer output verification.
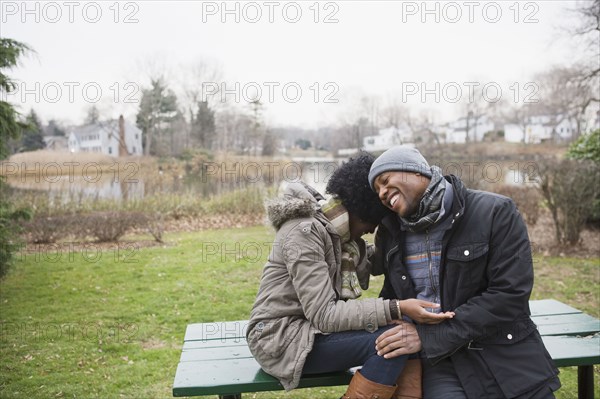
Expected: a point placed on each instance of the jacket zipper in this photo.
(390, 252)
(430, 263)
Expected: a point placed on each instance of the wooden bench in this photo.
(215, 359)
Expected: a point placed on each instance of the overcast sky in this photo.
(336, 50)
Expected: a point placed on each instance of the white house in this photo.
(115, 137)
(565, 129)
(387, 138)
(477, 126)
(534, 133)
(540, 128)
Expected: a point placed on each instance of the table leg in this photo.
(585, 382)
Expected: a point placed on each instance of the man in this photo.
(469, 252)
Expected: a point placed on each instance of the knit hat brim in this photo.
(399, 159)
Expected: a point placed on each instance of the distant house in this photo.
(565, 129)
(475, 126)
(115, 137)
(534, 133)
(388, 138)
(540, 128)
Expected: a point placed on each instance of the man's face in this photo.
(401, 191)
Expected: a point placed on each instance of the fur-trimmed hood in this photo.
(298, 201)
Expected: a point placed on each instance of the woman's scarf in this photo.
(337, 214)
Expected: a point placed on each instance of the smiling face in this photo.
(401, 191)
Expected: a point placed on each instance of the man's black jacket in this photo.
(486, 277)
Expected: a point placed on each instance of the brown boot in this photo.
(362, 388)
(409, 382)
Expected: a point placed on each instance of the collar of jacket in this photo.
(392, 222)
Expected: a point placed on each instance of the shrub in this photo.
(587, 147)
(110, 226)
(527, 199)
(156, 225)
(47, 229)
(570, 188)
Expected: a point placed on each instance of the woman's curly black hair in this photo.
(350, 183)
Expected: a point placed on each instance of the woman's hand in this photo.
(416, 310)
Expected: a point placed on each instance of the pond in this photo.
(313, 171)
(125, 187)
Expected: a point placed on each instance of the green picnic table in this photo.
(215, 359)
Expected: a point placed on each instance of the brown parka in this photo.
(300, 288)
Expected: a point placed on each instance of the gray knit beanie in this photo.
(399, 158)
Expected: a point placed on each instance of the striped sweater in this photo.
(422, 254)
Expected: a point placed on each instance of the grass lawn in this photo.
(110, 324)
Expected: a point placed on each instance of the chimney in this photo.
(122, 145)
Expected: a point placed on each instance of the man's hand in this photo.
(416, 310)
(397, 341)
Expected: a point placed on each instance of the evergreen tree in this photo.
(269, 144)
(10, 128)
(158, 108)
(32, 134)
(204, 125)
(92, 116)
(54, 129)
(255, 136)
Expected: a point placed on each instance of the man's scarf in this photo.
(430, 205)
(339, 218)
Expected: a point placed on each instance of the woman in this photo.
(305, 319)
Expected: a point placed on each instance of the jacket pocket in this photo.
(466, 267)
(467, 252)
(273, 337)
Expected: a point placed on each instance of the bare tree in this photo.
(371, 110)
(566, 95)
(423, 127)
(588, 30)
(232, 128)
(359, 118)
(586, 72)
(474, 105)
(393, 112)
